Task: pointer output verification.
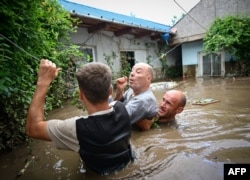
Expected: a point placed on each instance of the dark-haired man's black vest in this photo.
(105, 140)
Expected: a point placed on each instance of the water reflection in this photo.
(196, 147)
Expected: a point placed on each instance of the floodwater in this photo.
(202, 140)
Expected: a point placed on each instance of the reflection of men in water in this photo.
(173, 102)
(101, 138)
(139, 100)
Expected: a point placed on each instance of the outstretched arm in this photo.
(35, 124)
(145, 124)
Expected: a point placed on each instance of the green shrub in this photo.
(30, 30)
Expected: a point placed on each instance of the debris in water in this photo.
(25, 166)
(205, 101)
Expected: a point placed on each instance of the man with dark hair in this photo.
(103, 137)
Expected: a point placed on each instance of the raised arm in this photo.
(120, 86)
(35, 124)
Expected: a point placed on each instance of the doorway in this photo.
(211, 64)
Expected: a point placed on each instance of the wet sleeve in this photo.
(63, 133)
(141, 108)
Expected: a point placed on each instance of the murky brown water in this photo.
(196, 147)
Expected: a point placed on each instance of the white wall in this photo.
(105, 42)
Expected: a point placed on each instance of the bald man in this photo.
(139, 100)
(172, 103)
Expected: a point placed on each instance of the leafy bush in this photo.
(173, 72)
(30, 30)
(232, 34)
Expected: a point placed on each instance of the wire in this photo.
(19, 47)
(70, 71)
(28, 52)
(190, 16)
(164, 54)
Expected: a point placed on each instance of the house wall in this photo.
(187, 55)
(191, 29)
(189, 52)
(198, 20)
(190, 57)
(189, 71)
(105, 42)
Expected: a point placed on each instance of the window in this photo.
(88, 54)
(127, 57)
(127, 62)
(211, 64)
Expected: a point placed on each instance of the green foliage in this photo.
(125, 65)
(41, 28)
(173, 72)
(110, 60)
(164, 65)
(170, 72)
(175, 19)
(149, 60)
(76, 101)
(231, 34)
(126, 69)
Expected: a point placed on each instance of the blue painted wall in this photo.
(190, 52)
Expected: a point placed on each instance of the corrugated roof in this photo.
(108, 16)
